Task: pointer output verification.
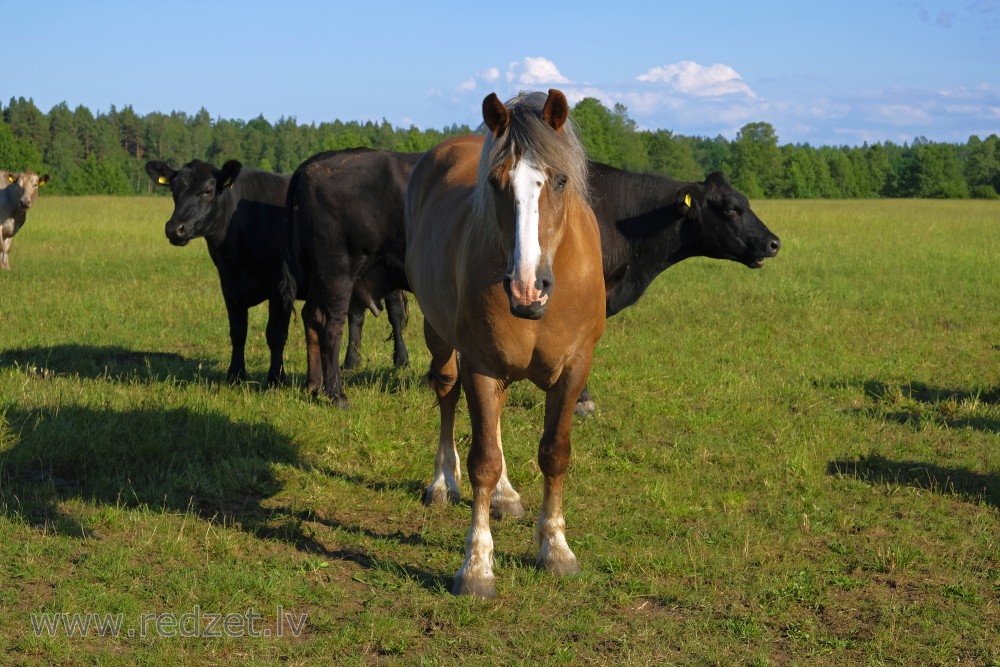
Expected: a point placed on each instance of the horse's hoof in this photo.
(560, 567)
(340, 402)
(350, 363)
(506, 508)
(585, 408)
(401, 362)
(439, 497)
(484, 588)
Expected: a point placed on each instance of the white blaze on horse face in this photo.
(527, 181)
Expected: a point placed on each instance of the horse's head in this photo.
(532, 169)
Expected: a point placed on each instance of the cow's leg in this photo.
(238, 317)
(334, 302)
(355, 323)
(485, 396)
(277, 335)
(5, 252)
(444, 380)
(585, 405)
(311, 322)
(554, 554)
(395, 304)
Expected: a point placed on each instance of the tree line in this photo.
(105, 153)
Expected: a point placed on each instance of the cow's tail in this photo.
(291, 265)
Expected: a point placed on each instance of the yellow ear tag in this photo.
(163, 180)
(11, 178)
(687, 200)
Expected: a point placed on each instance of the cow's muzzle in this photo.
(178, 233)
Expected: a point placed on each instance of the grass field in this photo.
(793, 466)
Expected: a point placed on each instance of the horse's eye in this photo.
(559, 182)
(493, 181)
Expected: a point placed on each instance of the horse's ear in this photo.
(556, 109)
(160, 172)
(495, 114)
(228, 174)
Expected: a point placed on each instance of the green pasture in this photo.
(798, 465)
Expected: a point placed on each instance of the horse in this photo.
(503, 255)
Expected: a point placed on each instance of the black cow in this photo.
(241, 214)
(346, 213)
(647, 223)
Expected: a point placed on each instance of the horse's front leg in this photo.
(554, 554)
(485, 396)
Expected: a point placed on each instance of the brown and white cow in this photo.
(18, 191)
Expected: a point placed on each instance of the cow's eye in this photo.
(207, 192)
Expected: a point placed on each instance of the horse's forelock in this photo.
(560, 151)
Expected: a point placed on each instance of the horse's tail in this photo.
(291, 264)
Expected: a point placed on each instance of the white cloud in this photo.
(690, 78)
(535, 71)
(903, 114)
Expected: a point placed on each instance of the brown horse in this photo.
(504, 256)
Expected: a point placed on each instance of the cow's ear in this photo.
(719, 179)
(160, 172)
(689, 199)
(227, 175)
(43, 180)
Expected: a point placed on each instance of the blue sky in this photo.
(826, 73)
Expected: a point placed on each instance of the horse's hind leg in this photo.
(505, 500)
(585, 405)
(443, 378)
(554, 554)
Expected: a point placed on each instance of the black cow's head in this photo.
(195, 187)
(721, 224)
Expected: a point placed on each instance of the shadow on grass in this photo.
(961, 483)
(170, 461)
(109, 362)
(917, 404)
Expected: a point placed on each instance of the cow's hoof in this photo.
(401, 362)
(340, 402)
(483, 587)
(585, 408)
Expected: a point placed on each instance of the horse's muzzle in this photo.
(528, 311)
